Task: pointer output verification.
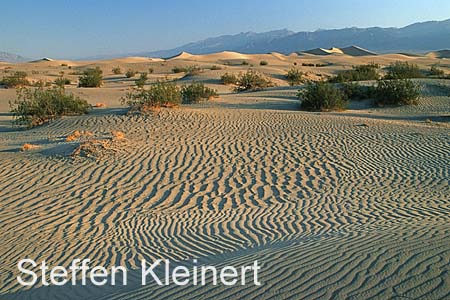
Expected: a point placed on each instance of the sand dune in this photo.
(439, 54)
(344, 205)
(351, 50)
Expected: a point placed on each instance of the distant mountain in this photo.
(418, 37)
(12, 58)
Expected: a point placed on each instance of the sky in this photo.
(83, 28)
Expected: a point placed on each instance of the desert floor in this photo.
(339, 205)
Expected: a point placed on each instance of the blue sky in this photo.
(71, 29)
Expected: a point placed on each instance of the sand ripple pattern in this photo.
(333, 210)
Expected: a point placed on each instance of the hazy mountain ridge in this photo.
(417, 37)
(11, 57)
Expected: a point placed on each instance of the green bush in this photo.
(245, 63)
(91, 78)
(16, 79)
(251, 81)
(142, 80)
(37, 106)
(294, 76)
(178, 69)
(403, 70)
(117, 70)
(355, 91)
(322, 96)
(397, 92)
(435, 71)
(229, 79)
(263, 63)
(358, 73)
(193, 70)
(130, 73)
(62, 81)
(196, 92)
(162, 93)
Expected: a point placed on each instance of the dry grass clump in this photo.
(77, 134)
(28, 147)
(119, 135)
(100, 147)
(99, 105)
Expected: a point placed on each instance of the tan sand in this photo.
(348, 205)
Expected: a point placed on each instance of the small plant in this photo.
(245, 63)
(435, 71)
(196, 92)
(308, 65)
(294, 76)
(117, 70)
(91, 78)
(193, 70)
(322, 96)
(130, 73)
(161, 93)
(320, 65)
(142, 80)
(62, 81)
(63, 65)
(263, 63)
(251, 81)
(397, 92)
(355, 91)
(358, 73)
(178, 69)
(150, 70)
(229, 79)
(216, 68)
(16, 79)
(403, 70)
(37, 106)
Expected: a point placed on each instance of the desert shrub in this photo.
(141, 81)
(320, 65)
(91, 78)
(130, 73)
(215, 68)
(196, 92)
(150, 70)
(403, 70)
(193, 70)
(355, 91)
(63, 65)
(397, 92)
(117, 70)
(263, 63)
(37, 106)
(229, 78)
(62, 81)
(178, 69)
(34, 72)
(245, 63)
(16, 79)
(435, 71)
(358, 73)
(162, 93)
(251, 81)
(294, 76)
(322, 96)
(308, 65)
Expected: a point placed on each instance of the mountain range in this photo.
(416, 38)
(11, 57)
